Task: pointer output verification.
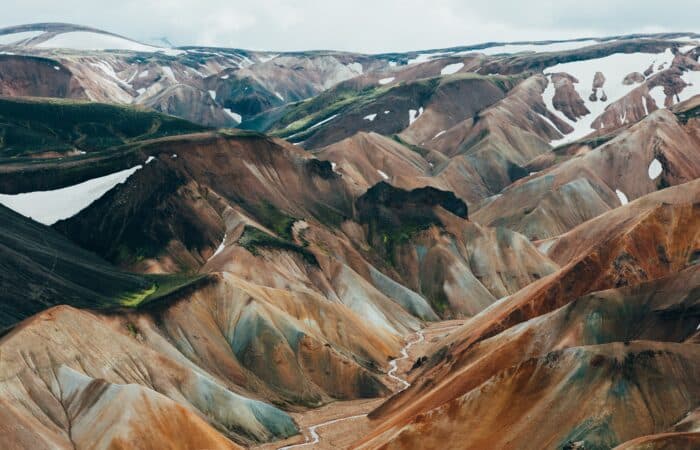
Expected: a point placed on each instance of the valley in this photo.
(486, 246)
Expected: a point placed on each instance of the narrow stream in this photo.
(314, 438)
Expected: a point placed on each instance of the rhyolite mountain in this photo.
(201, 245)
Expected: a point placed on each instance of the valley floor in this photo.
(344, 422)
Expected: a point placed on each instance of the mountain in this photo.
(488, 246)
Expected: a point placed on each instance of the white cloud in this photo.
(359, 25)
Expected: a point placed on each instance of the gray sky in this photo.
(359, 25)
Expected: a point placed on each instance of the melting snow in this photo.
(212, 94)
(150, 159)
(518, 48)
(237, 117)
(220, 248)
(318, 124)
(655, 169)
(621, 195)
(693, 79)
(48, 207)
(370, 117)
(266, 58)
(355, 67)
(451, 68)
(657, 93)
(423, 57)
(169, 73)
(87, 40)
(413, 115)
(279, 96)
(384, 175)
(386, 80)
(615, 67)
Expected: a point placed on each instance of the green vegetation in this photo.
(274, 219)
(305, 114)
(253, 239)
(415, 148)
(685, 116)
(346, 97)
(159, 287)
(136, 298)
(31, 126)
(164, 285)
(133, 331)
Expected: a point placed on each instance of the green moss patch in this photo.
(254, 239)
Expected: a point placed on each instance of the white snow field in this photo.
(615, 67)
(48, 207)
(88, 40)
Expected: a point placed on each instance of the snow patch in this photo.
(150, 159)
(279, 96)
(87, 40)
(143, 74)
(169, 73)
(621, 195)
(370, 117)
(48, 207)
(451, 68)
(220, 248)
(266, 58)
(692, 78)
(355, 67)
(224, 77)
(657, 93)
(413, 115)
(386, 80)
(212, 94)
(439, 134)
(318, 124)
(235, 116)
(655, 169)
(56, 68)
(383, 175)
(519, 48)
(615, 67)
(424, 57)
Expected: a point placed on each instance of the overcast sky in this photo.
(359, 25)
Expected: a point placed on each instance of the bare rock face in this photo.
(566, 99)
(598, 80)
(649, 70)
(37, 77)
(632, 78)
